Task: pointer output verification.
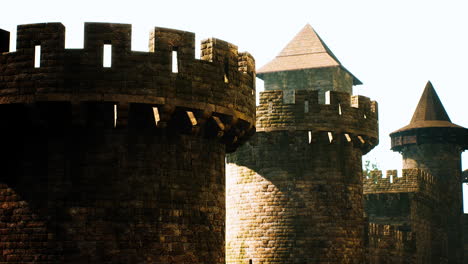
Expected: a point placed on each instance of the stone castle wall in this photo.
(319, 79)
(411, 204)
(122, 164)
(390, 244)
(291, 196)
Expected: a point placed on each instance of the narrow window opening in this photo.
(37, 56)
(330, 137)
(310, 136)
(107, 58)
(339, 109)
(361, 139)
(348, 138)
(306, 106)
(115, 115)
(192, 118)
(391, 178)
(365, 117)
(175, 62)
(327, 97)
(226, 70)
(270, 107)
(156, 115)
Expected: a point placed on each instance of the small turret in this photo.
(306, 63)
(430, 124)
(433, 143)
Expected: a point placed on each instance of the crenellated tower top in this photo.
(214, 95)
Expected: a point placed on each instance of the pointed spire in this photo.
(430, 107)
(305, 51)
(307, 41)
(430, 124)
(429, 113)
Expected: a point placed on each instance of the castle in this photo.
(124, 162)
(296, 190)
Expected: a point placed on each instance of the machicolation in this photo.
(350, 118)
(216, 90)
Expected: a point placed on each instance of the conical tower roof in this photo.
(430, 124)
(305, 51)
(430, 112)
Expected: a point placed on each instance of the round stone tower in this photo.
(118, 157)
(294, 191)
(433, 143)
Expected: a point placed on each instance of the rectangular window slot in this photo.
(327, 97)
(107, 57)
(226, 70)
(219, 123)
(192, 118)
(306, 106)
(361, 139)
(365, 117)
(115, 115)
(391, 178)
(348, 138)
(37, 56)
(175, 62)
(310, 136)
(339, 109)
(330, 137)
(156, 115)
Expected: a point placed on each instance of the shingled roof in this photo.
(430, 112)
(305, 51)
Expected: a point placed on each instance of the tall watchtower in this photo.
(294, 191)
(433, 143)
(121, 162)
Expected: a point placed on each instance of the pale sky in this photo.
(393, 47)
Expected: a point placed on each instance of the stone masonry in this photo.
(120, 164)
(125, 163)
(424, 205)
(294, 191)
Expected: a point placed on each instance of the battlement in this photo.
(221, 84)
(352, 117)
(398, 233)
(411, 181)
(391, 238)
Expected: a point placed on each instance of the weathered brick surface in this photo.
(122, 164)
(411, 180)
(319, 79)
(135, 77)
(445, 166)
(292, 197)
(390, 244)
(408, 209)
